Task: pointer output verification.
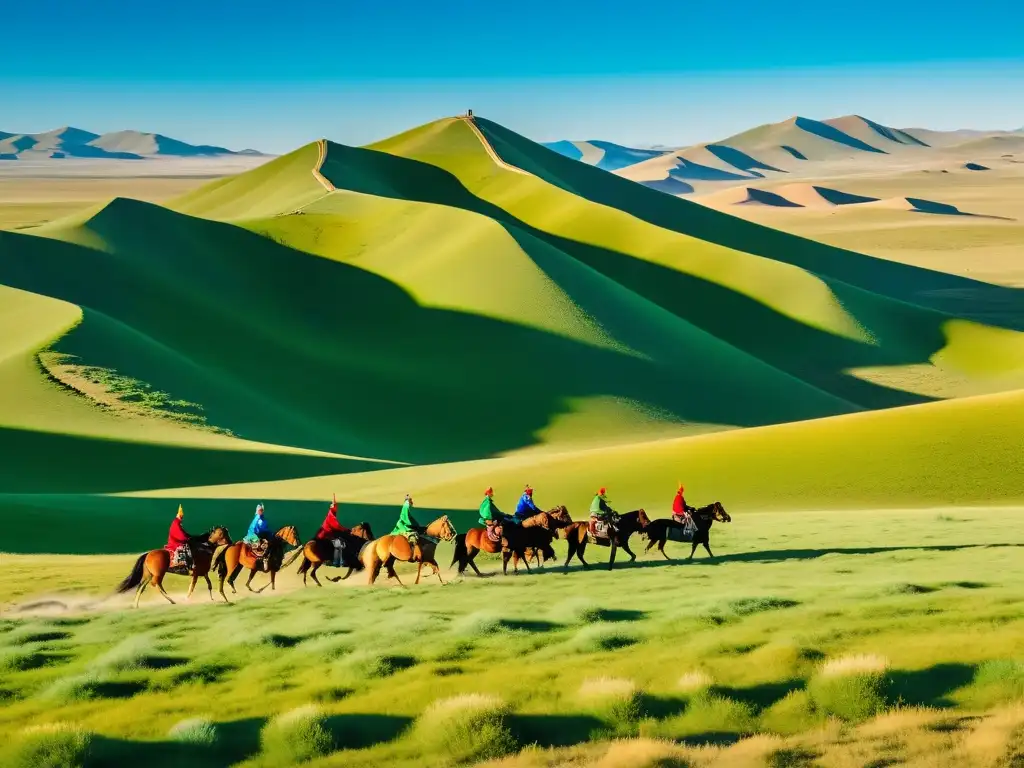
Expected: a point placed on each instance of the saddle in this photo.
(181, 561)
(600, 531)
(494, 533)
(259, 552)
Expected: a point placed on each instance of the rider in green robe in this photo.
(600, 508)
(489, 512)
(406, 524)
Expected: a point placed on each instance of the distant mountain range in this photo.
(776, 147)
(119, 145)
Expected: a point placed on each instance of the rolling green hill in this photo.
(464, 300)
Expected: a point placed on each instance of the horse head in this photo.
(363, 531)
(219, 536)
(720, 514)
(289, 535)
(560, 516)
(442, 528)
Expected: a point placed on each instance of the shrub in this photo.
(76, 688)
(707, 713)
(998, 680)
(615, 700)
(793, 713)
(852, 688)
(577, 611)
(467, 727)
(748, 606)
(195, 730)
(132, 653)
(603, 637)
(369, 665)
(296, 736)
(695, 682)
(57, 745)
(479, 624)
(13, 660)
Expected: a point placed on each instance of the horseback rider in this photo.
(331, 529)
(177, 542)
(258, 535)
(490, 515)
(601, 510)
(526, 507)
(407, 525)
(681, 511)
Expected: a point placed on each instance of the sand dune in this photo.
(813, 196)
(71, 142)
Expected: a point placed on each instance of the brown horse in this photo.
(387, 549)
(152, 566)
(577, 535)
(317, 552)
(230, 560)
(658, 531)
(474, 541)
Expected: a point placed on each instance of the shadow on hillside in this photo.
(554, 730)
(930, 687)
(740, 159)
(956, 295)
(783, 555)
(831, 133)
(901, 334)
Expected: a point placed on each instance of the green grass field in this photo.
(820, 639)
(418, 316)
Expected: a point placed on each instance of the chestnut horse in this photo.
(577, 535)
(657, 531)
(152, 566)
(387, 549)
(230, 561)
(317, 552)
(474, 541)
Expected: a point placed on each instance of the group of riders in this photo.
(259, 534)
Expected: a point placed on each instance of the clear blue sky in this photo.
(276, 75)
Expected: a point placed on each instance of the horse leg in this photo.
(526, 562)
(625, 545)
(692, 550)
(192, 585)
(234, 575)
(312, 574)
(374, 570)
(209, 584)
(419, 570)
(336, 579)
(613, 546)
(471, 561)
(437, 571)
(661, 548)
(146, 576)
(710, 553)
(579, 553)
(504, 562)
(248, 582)
(158, 582)
(650, 543)
(392, 573)
(572, 551)
(271, 584)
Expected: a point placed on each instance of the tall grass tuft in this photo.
(296, 736)
(997, 681)
(199, 731)
(75, 688)
(603, 637)
(615, 700)
(852, 688)
(55, 745)
(471, 727)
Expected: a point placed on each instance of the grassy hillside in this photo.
(420, 301)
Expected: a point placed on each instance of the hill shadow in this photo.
(902, 334)
(831, 133)
(784, 555)
(689, 170)
(996, 305)
(739, 159)
(932, 686)
(670, 185)
(358, 731)
(554, 730)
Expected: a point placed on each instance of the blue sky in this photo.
(274, 76)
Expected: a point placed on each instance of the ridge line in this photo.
(321, 145)
(471, 122)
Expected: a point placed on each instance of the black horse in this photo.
(577, 535)
(658, 531)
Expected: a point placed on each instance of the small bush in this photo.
(296, 736)
(368, 665)
(747, 606)
(603, 637)
(479, 624)
(57, 745)
(130, 654)
(708, 713)
(14, 660)
(615, 700)
(71, 689)
(997, 681)
(468, 727)
(577, 611)
(195, 730)
(793, 713)
(852, 688)
(695, 682)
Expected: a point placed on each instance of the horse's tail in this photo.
(134, 578)
(461, 554)
(291, 557)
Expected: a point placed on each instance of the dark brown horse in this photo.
(474, 541)
(318, 552)
(152, 566)
(578, 536)
(658, 531)
(230, 560)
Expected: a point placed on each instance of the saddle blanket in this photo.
(180, 560)
(599, 532)
(494, 533)
(675, 533)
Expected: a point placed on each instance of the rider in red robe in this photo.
(331, 526)
(680, 510)
(177, 536)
